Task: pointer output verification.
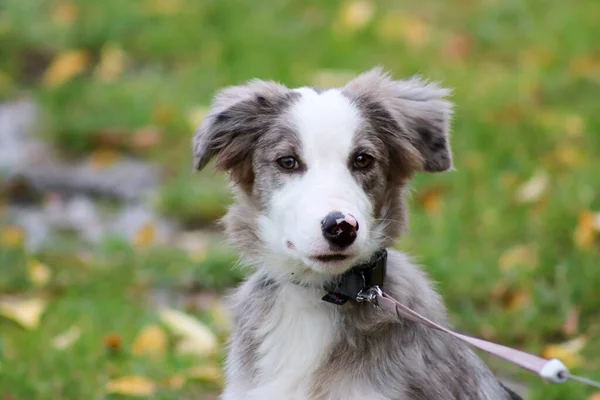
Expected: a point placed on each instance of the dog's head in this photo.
(319, 173)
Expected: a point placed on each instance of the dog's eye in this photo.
(287, 163)
(362, 161)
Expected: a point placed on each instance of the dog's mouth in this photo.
(327, 258)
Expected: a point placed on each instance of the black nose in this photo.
(339, 229)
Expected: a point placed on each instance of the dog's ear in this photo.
(238, 115)
(412, 114)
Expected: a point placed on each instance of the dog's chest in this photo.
(295, 339)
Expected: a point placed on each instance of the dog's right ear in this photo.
(238, 116)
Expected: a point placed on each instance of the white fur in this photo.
(302, 331)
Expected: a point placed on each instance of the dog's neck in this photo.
(348, 285)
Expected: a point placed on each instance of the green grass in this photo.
(526, 79)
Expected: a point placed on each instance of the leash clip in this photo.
(369, 295)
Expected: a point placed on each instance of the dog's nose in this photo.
(339, 229)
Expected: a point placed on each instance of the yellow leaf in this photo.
(175, 382)
(587, 229)
(145, 236)
(197, 338)
(112, 62)
(26, 312)
(64, 13)
(569, 155)
(135, 386)
(519, 256)
(585, 66)
(66, 339)
(431, 199)
(196, 115)
(12, 237)
(412, 30)
(152, 341)
(573, 125)
(103, 158)
(206, 373)
(354, 15)
(567, 352)
(65, 66)
(39, 273)
(517, 300)
(534, 188)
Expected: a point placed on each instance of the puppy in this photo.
(319, 177)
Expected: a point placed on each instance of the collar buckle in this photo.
(359, 279)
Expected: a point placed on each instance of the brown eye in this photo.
(362, 161)
(287, 163)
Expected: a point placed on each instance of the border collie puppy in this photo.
(319, 177)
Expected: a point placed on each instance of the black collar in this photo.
(360, 277)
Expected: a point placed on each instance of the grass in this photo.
(525, 76)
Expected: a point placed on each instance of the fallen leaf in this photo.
(571, 325)
(585, 66)
(145, 235)
(112, 62)
(39, 273)
(519, 256)
(206, 373)
(569, 155)
(164, 114)
(136, 386)
(567, 352)
(517, 300)
(65, 66)
(12, 237)
(26, 312)
(588, 226)
(104, 158)
(431, 199)
(197, 338)
(354, 15)
(574, 125)
(413, 30)
(66, 339)
(113, 342)
(534, 188)
(65, 13)
(152, 341)
(594, 396)
(175, 382)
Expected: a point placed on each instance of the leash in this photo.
(553, 370)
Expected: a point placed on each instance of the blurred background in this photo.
(111, 264)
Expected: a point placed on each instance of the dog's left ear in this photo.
(411, 114)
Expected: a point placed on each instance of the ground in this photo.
(511, 235)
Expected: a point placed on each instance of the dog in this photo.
(319, 177)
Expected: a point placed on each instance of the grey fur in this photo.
(406, 128)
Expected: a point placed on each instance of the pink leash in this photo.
(552, 370)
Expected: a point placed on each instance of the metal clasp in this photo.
(369, 295)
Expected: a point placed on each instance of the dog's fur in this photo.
(288, 343)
